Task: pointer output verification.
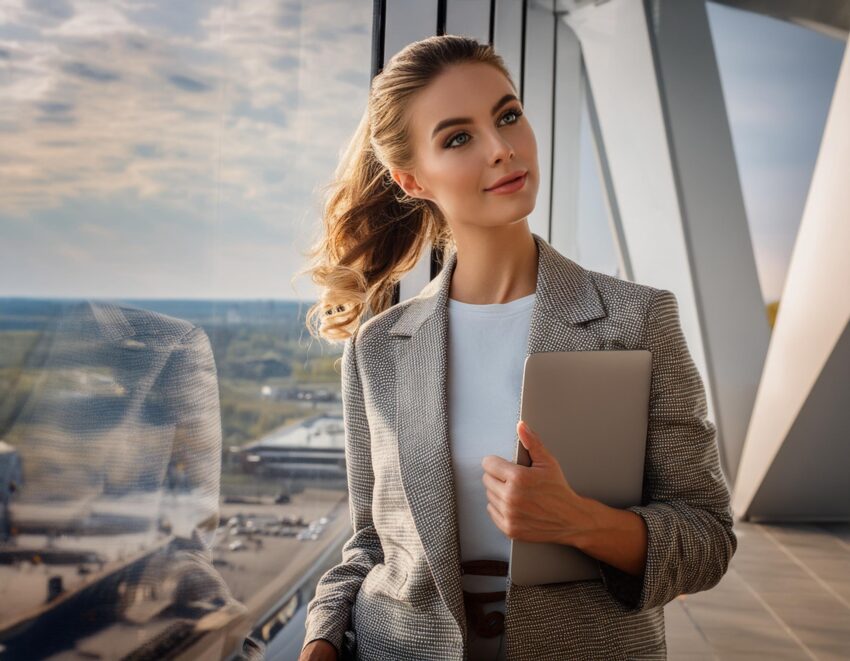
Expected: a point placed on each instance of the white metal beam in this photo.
(729, 301)
(617, 51)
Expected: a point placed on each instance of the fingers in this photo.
(497, 517)
(497, 495)
(493, 485)
(499, 467)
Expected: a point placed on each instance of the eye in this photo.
(510, 111)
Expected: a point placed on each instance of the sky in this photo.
(153, 149)
(777, 79)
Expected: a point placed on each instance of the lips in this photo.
(507, 179)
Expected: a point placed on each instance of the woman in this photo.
(431, 389)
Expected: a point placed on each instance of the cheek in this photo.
(529, 156)
(461, 177)
(530, 144)
(455, 182)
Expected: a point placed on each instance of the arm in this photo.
(686, 498)
(615, 536)
(190, 387)
(328, 613)
(191, 390)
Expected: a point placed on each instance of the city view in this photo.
(122, 496)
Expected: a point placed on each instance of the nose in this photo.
(501, 150)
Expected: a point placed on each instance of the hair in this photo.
(373, 232)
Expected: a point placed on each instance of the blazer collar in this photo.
(564, 291)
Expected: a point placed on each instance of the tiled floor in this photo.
(786, 596)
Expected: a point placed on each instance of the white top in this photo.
(487, 345)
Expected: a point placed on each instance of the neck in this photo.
(494, 265)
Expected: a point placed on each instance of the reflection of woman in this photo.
(431, 388)
(120, 408)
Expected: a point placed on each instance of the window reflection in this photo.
(172, 461)
(112, 452)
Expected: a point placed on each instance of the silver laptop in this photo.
(591, 410)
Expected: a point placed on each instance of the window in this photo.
(171, 437)
(777, 80)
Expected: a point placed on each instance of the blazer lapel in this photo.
(566, 297)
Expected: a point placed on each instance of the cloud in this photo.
(59, 9)
(91, 72)
(217, 125)
(95, 19)
(55, 119)
(188, 84)
(55, 107)
(146, 150)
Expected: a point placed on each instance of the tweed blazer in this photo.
(397, 593)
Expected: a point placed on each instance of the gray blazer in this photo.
(397, 594)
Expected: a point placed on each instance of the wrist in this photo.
(618, 537)
(591, 518)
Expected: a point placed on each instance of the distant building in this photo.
(299, 393)
(313, 449)
(11, 478)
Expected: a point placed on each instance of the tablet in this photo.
(591, 410)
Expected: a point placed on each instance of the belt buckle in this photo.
(486, 625)
(490, 624)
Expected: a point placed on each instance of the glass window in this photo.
(171, 441)
(778, 79)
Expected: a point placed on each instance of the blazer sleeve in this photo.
(328, 613)
(686, 499)
(191, 390)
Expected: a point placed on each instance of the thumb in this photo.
(532, 443)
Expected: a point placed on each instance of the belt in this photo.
(493, 623)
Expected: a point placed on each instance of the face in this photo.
(455, 162)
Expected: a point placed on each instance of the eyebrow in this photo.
(468, 120)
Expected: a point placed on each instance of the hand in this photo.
(534, 503)
(319, 650)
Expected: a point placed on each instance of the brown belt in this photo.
(493, 623)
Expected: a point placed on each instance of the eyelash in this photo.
(511, 111)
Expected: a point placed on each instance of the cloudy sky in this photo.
(177, 149)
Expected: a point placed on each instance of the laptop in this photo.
(591, 410)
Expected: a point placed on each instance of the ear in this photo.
(408, 183)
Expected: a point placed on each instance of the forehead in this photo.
(462, 90)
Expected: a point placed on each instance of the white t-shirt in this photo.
(487, 345)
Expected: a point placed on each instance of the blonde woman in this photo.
(431, 386)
